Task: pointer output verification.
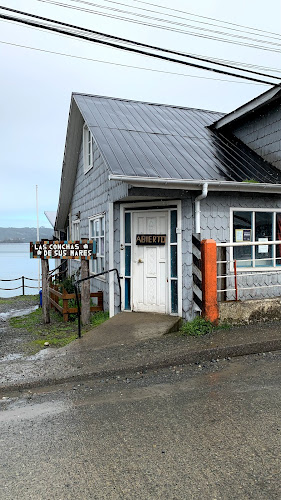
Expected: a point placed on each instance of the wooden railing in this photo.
(65, 309)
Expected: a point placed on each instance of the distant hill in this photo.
(24, 234)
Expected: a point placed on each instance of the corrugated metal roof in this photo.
(162, 141)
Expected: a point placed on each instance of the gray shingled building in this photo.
(134, 171)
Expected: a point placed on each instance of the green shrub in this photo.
(67, 284)
(198, 326)
(99, 317)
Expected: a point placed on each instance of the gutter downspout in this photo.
(197, 207)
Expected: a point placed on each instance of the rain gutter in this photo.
(198, 207)
(162, 183)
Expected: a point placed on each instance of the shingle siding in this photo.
(215, 221)
(91, 195)
(215, 224)
(263, 134)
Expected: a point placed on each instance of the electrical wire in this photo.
(128, 49)
(277, 37)
(137, 44)
(166, 28)
(125, 65)
(201, 17)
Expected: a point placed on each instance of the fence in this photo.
(226, 278)
(66, 308)
(22, 286)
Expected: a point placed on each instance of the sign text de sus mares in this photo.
(84, 250)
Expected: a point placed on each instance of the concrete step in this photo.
(130, 327)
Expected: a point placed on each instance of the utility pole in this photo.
(38, 236)
(45, 291)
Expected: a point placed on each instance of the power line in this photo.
(24, 21)
(167, 28)
(201, 17)
(277, 37)
(124, 65)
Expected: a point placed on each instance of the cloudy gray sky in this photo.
(36, 85)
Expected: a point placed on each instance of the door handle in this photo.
(140, 261)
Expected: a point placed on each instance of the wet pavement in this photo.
(127, 342)
(87, 358)
(205, 431)
(12, 340)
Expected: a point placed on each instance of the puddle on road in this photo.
(11, 357)
(16, 356)
(19, 412)
(17, 312)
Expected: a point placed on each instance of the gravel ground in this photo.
(13, 340)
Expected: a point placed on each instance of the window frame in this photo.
(145, 206)
(75, 224)
(91, 237)
(86, 152)
(252, 210)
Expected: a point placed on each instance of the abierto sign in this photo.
(80, 250)
(150, 239)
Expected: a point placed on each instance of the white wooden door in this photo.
(149, 264)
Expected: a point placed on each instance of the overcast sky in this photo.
(36, 86)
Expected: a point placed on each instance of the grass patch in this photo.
(99, 317)
(200, 326)
(22, 298)
(58, 333)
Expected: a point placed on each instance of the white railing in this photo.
(235, 272)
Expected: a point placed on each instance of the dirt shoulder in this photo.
(13, 341)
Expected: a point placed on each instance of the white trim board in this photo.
(138, 207)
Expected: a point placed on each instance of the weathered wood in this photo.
(85, 293)
(100, 300)
(45, 291)
(55, 295)
(65, 305)
(56, 306)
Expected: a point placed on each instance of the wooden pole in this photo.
(45, 291)
(85, 293)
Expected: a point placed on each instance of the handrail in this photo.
(247, 243)
(88, 278)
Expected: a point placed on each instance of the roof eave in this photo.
(249, 107)
(71, 154)
(190, 184)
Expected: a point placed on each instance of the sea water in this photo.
(15, 262)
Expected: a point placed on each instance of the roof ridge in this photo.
(146, 102)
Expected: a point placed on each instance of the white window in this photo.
(97, 234)
(76, 230)
(258, 225)
(87, 149)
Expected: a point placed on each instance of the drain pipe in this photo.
(197, 207)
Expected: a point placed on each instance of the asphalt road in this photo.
(209, 431)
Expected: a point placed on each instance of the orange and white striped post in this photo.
(210, 310)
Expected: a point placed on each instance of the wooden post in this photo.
(85, 293)
(22, 279)
(64, 305)
(45, 291)
(210, 309)
(100, 300)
